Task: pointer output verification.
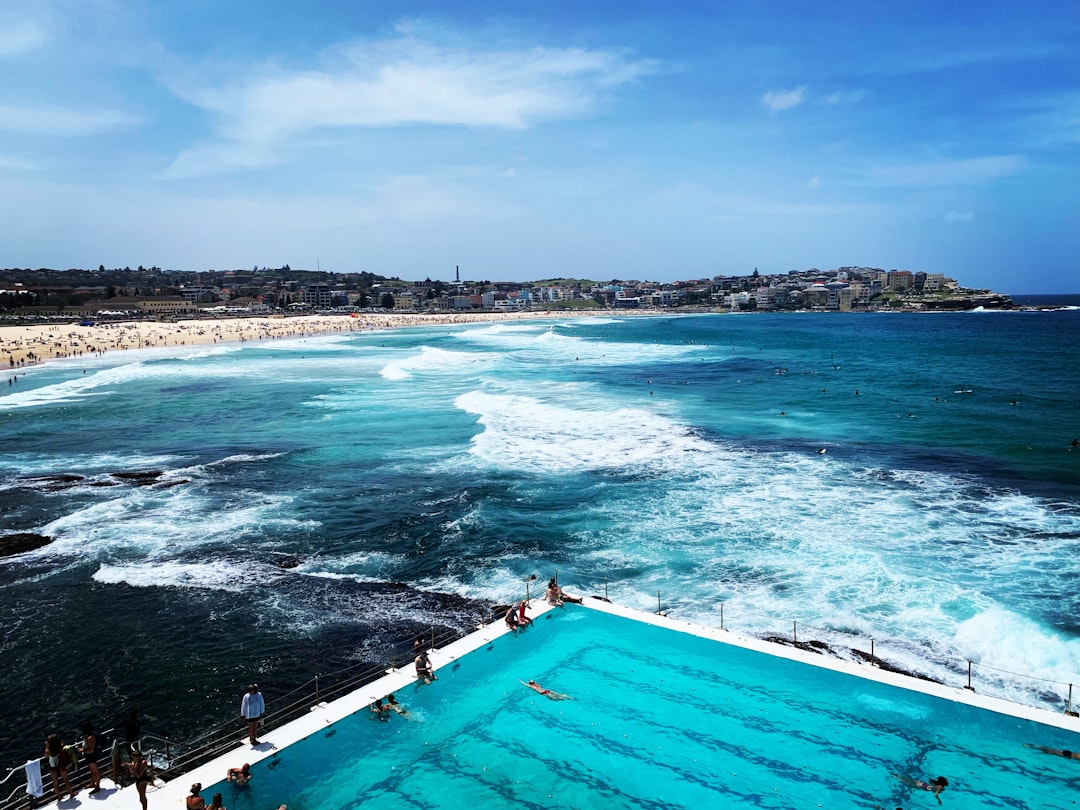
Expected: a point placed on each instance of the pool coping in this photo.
(324, 714)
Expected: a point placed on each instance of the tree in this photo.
(387, 301)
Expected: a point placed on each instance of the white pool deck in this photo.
(169, 795)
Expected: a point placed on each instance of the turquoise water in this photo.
(640, 454)
(659, 719)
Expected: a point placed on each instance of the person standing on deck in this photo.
(91, 750)
(251, 709)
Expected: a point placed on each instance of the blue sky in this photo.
(643, 140)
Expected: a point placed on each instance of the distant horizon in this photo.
(577, 138)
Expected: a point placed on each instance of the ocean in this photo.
(270, 511)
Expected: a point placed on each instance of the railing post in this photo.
(1069, 705)
(795, 632)
(316, 688)
(433, 637)
(658, 603)
(873, 658)
(605, 589)
(969, 686)
(721, 615)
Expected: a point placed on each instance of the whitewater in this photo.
(301, 505)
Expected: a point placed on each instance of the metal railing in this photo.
(170, 758)
(957, 672)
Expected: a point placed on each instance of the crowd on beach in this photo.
(31, 344)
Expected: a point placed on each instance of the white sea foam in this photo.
(435, 360)
(772, 535)
(218, 575)
(526, 434)
(165, 523)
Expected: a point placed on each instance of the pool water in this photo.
(660, 719)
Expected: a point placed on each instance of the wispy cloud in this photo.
(842, 98)
(20, 36)
(972, 171)
(270, 109)
(778, 100)
(62, 121)
(952, 217)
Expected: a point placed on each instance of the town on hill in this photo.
(153, 292)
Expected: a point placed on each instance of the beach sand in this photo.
(22, 346)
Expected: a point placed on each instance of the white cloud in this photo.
(20, 37)
(401, 82)
(62, 121)
(813, 182)
(777, 100)
(952, 217)
(973, 171)
(844, 97)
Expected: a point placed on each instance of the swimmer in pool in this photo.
(1055, 751)
(545, 692)
(935, 786)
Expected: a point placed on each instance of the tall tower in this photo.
(457, 273)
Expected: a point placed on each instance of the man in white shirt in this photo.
(251, 709)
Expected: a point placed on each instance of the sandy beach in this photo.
(21, 346)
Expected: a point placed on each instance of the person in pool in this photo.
(392, 703)
(1058, 752)
(381, 712)
(545, 692)
(241, 775)
(935, 786)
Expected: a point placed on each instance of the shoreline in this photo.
(31, 345)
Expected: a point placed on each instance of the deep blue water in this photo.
(678, 455)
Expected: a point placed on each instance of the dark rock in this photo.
(140, 478)
(174, 483)
(287, 561)
(885, 665)
(19, 543)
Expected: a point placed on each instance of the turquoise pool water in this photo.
(660, 719)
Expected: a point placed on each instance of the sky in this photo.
(523, 141)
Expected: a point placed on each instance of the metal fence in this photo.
(170, 758)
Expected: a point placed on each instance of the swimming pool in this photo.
(659, 719)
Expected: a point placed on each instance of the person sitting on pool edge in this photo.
(424, 670)
(935, 786)
(556, 595)
(545, 692)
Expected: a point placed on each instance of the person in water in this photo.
(240, 776)
(380, 711)
(1058, 752)
(545, 692)
(392, 703)
(935, 786)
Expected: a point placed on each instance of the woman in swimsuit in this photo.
(216, 804)
(57, 757)
(545, 692)
(90, 751)
(140, 772)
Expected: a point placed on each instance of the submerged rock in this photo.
(140, 478)
(22, 542)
